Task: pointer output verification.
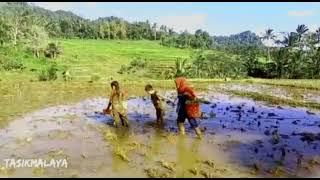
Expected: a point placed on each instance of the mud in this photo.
(242, 138)
(305, 95)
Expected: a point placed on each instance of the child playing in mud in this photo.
(158, 102)
(188, 107)
(116, 102)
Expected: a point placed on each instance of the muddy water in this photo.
(306, 95)
(239, 141)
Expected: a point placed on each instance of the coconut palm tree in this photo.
(268, 35)
(290, 39)
(318, 35)
(154, 29)
(301, 29)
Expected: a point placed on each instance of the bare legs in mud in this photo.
(183, 131)
(120, 117)
(160, 120)
(198, 132)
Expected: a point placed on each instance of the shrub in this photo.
(11, 64)
(53, 50)
(52, 72)
(215, 66)
(135, 65)
(123, 69)
(66, 75)
(139, 63)
(43, 76)
(48, 74)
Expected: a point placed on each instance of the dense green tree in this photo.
(4, 31)
(38, 39)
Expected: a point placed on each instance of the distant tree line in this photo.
(21, 21)
(236, 42)
(295, 55)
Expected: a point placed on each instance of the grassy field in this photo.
(104, 58)
(87, 58)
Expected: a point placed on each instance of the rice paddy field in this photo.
(251, 127)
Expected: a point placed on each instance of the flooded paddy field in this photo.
(284, 92)
(242, 138)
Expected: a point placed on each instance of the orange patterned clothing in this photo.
(189, 105)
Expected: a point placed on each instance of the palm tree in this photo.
(301, 29)
(268, 35)
(123, 30)
(180, 69)
(113, 29)
(290, 39)
(107, 30)
(154, 29)
(171, 31)
(318, 35)
(101, 31)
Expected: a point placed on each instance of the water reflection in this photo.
(187, 156)
(119, 149)
(156, 141)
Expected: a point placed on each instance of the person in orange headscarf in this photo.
(187, 108)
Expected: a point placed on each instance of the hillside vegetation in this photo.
(47, 43)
